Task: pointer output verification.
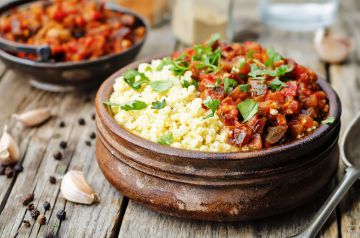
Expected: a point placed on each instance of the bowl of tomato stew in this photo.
(285, 141)
(87, 40)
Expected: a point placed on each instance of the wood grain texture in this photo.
(346, 81)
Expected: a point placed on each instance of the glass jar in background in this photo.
(153, 10)
(299, 15)
(194, 21)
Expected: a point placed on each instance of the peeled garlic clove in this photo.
(330, 47)
(33, 117)
(9, 150)
(75, 188)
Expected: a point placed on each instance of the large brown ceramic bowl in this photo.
(69, 76)
(216, 186)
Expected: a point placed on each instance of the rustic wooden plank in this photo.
(346, 81)
(39, 165)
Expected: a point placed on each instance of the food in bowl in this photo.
(220, 97)
(75, 30)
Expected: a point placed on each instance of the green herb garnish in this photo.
(283, 69)
(130, 77)
(161, 85)
(158, 104)
(165, 61)
(273, 57)
(277, 84)
(166, 139)
(179, 65)
(244, 87)
(229, 85)
(248, 108)
(256, 72)
(250, 54)
(129, 106)
(214, 37)
(212, 104)
(329, 120)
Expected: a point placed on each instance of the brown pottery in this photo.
(216, 186)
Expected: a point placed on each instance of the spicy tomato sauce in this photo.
(262, 98)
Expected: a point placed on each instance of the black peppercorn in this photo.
(57, 155)
(92, 135)
(63, 144)
(34, 214)
(26, 223)
(61, 215)
(81, 121)
(52, 180)
(88, 143)
(93, 116)
(28, 199)
(62, 124)
(46, 205)
(18, 168)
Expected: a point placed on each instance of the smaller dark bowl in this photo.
(69, 76)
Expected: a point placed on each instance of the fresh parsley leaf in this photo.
(283, 69)
(277, 84)
(200, 50)
(250, 54)
(185, 84)
(244, 87)
(158, 104)
(256, 72)
(165, 61)
(241, 63)
(273, 57)
(329, 120)
(211, 61)
(212, 104)
(213, 38)
(161, 85)
(195, 83)
(130, 78)
(166, 139)
(248, 108)
(148, 69)
(133, 105)
(229, 85)
(179, 65)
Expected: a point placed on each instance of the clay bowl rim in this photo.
(109, 123)
(70, 64)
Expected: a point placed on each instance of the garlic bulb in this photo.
(33, 117)
(9, 150)
(330, 47)
(75, 188)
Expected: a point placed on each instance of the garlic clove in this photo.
(9, 149)
(33, 117)
(330, 47)
(75, 188)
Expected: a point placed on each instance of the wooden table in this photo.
(115, 215)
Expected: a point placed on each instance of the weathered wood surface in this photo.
(114, 216)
